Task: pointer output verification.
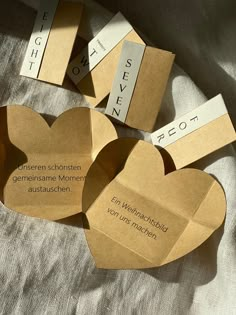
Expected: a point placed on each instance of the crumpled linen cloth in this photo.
(46, 267)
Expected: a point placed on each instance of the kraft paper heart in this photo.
(43, 168)
(138, 217)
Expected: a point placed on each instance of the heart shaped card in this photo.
(137, 217)
(43, 168)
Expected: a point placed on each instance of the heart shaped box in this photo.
(43, 168)
(137, 217)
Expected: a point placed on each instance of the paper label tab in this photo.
(38, 39)
(125, 80)
(98, 48)
(190, 122)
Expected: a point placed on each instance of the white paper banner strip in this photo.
(190, 122)
(125, 80)
(39, 38)
(98, 48)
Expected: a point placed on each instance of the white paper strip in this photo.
(125, 80)
(190, 122)
(98, 48)
(38, 39)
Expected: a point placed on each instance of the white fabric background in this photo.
(46, 267)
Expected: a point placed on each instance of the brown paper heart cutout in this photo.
(43, 168)
(137, 217)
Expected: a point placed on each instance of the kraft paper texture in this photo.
(60, 42)
(43, 168)
(150, 88)
(136, 216)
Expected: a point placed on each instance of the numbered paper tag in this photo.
(52, 40)
(190, 122)
(99, 47)
(125, 80)
(139, 85)
(196, 134)
(38, 39)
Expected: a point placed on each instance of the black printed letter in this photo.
(31, 64)
(122, 88)
(182, 125)
(194, 118)
(94, 52)
(160, 137)
(76, 70)
(171, 133)
(119, 100)
(128, 64)
(34, 53)
(125, 76)
(84, 61)
(45, 15)
(37, 42)
(117, 113)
